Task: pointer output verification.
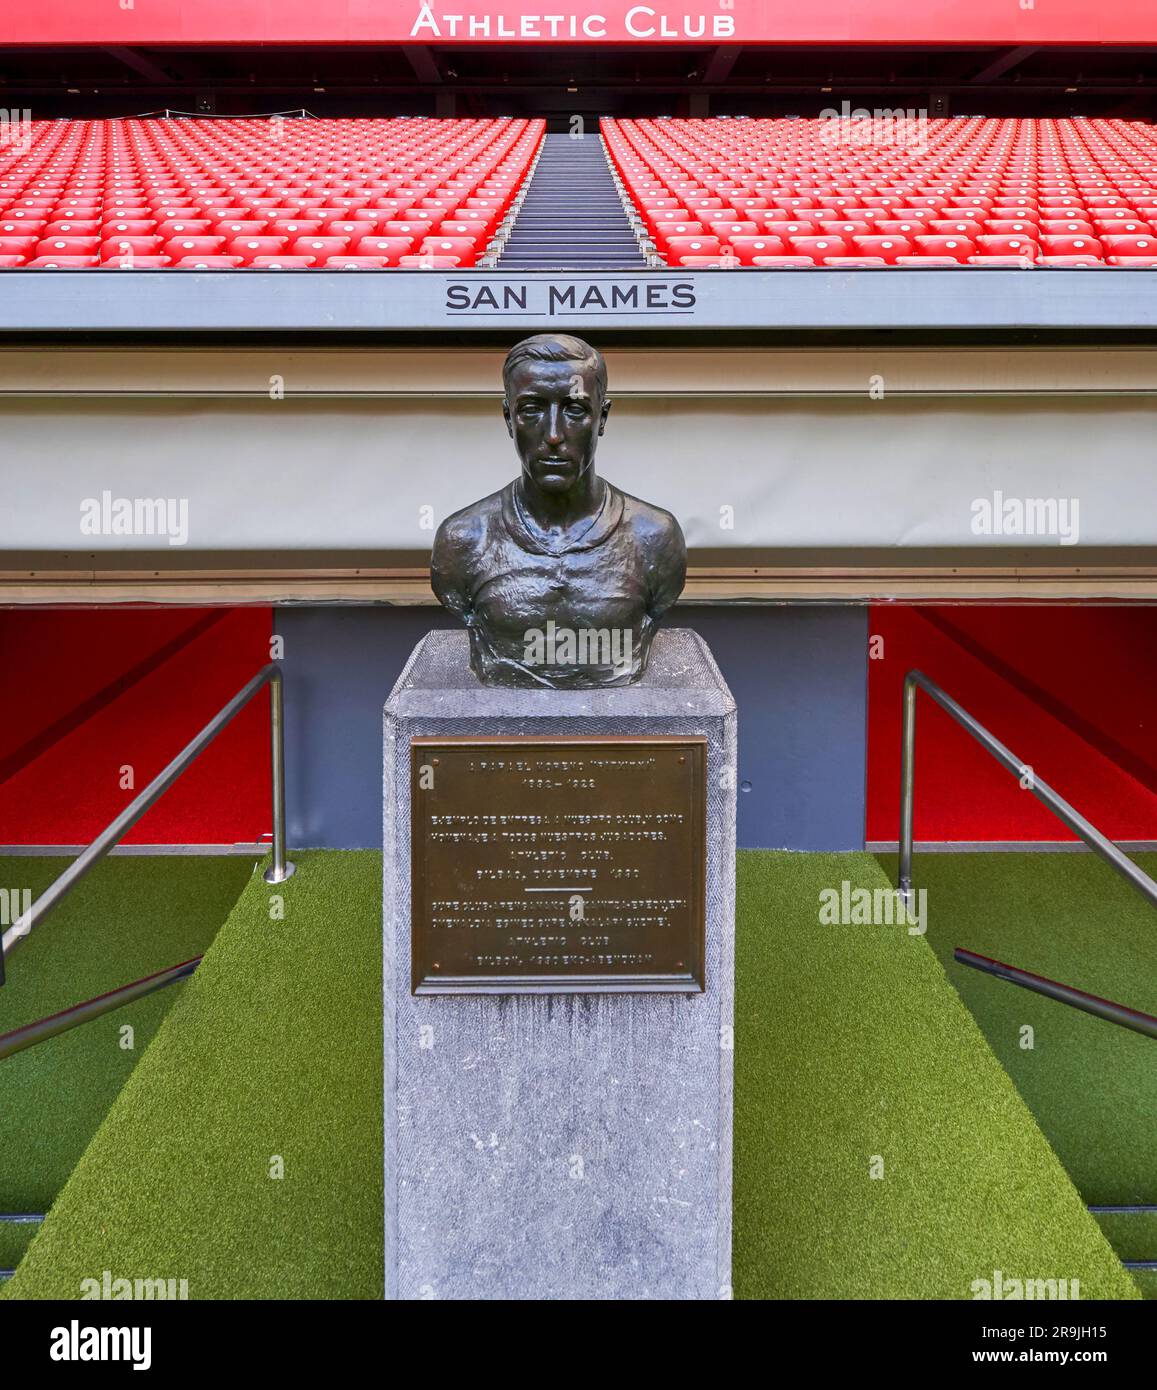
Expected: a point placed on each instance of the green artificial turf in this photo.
(1091, 1085)
(1133, 1235)
(849, 1043)
(129, 917)
(14, 1240)
(272, 1053)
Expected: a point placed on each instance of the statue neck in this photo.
(555, 514)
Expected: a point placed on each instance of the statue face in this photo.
(555, 416)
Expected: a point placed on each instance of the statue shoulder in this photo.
(656, 529)
(459, 544)
(663, 546)
(465, 530)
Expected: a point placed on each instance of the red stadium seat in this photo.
(747, 248)
(181, 246)
(996, 227)
(69, 227)
(390, 247)
(885, 248)
(398, 226)
(680, 246)
(17, 246)
(725, 230)
(208, 262)
(129, 227)
(819, 248)
(1128, 246)
(68, 246)
(462, 247)
(955, 248)
(282, 262)
(239, 228)
(319, 247)
(293, 227)
(1019, 247)
(134, 262)
(121, 246)
(183, 226)
(250, 247)
(1071, 245)
(356, 263)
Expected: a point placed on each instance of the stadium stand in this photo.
(372, 194)
(266, 193)
(973, 191)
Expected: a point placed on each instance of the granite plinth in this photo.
(565, 1146)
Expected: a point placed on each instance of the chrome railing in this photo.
(1066, 994)
(32, 1033)
(1100, 844)
(278, 871)
(1093, 1004)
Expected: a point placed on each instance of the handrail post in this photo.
(907, 790)
(281, 868)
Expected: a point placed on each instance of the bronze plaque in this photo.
(558, 865)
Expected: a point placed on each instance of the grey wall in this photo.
(798, 675)
(374, 475)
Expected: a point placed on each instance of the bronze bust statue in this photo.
(560, 578)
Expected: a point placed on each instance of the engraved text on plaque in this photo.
(555, 864)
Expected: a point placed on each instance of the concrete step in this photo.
(571, 214)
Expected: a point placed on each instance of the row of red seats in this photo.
(194, 193)
(977, 191)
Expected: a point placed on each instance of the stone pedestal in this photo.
(573, 1146)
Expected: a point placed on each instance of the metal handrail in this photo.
(43, 1028)
(279, 870)
(1107, 1009)
(1100, 844)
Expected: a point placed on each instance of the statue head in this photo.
(556, 409)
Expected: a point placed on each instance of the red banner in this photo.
(120, 22)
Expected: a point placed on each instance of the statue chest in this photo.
(577, 590)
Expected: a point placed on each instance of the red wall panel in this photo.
(98, 689)
(1069, 689)
(73, 22)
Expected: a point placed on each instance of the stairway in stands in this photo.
(571, 217)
